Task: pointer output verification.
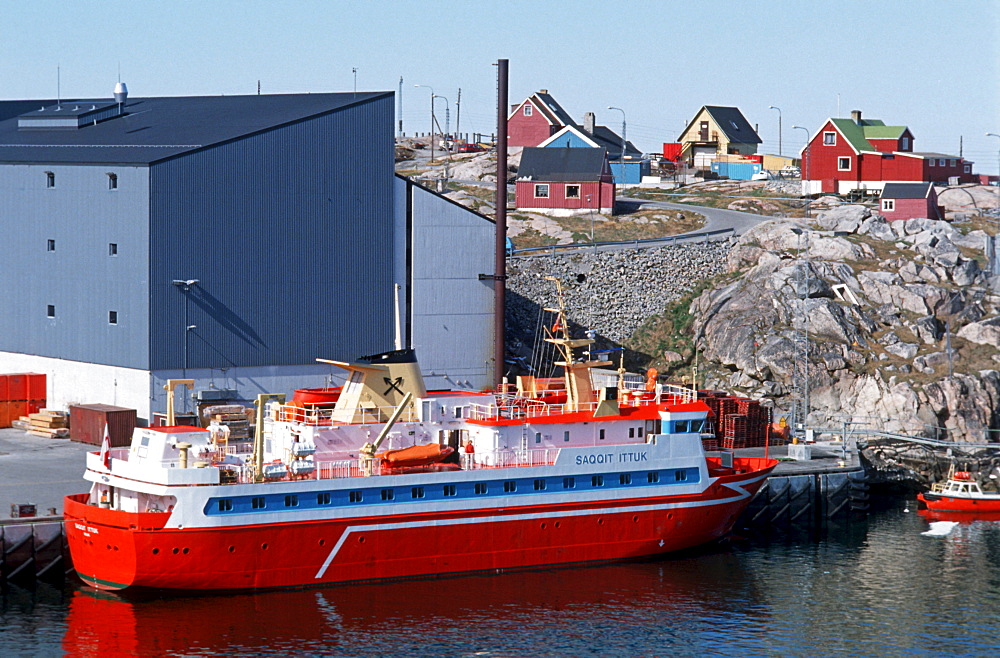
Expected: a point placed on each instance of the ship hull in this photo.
(113, 553)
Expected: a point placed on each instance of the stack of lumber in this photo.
(234, 416)
(47, 423)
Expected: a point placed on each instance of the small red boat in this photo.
(960, 493)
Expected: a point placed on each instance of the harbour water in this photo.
(867, 587)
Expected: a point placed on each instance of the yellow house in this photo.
(716, 131)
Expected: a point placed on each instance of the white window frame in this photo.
(940, 162)
(830, 142)
(967, 168)
(840, 160)
(888, 205)
(528, 109)
(540, 187)
(930, 162)
(570, 196)
(951, 162)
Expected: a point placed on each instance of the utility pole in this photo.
(500, 247)
(774, 107)
(458, 114)
(400, 106)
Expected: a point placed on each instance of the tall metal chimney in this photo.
(500, 246)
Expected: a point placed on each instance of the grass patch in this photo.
(635, 226)
(732, 196)
(532, 238)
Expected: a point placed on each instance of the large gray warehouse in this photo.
(228, 239)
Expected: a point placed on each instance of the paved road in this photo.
(39, 471)
(717, 218)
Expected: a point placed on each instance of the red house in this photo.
(536, 119)
(847, 155)
(909, 200)
(565, 181)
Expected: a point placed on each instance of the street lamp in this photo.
(774, 107)
(432, 118)
(447, 134)
(998, 156)
(622, 157)
(185, 286)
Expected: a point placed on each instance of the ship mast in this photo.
(579, 384)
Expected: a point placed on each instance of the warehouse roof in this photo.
(152, 129)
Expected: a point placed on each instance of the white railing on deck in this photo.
(351, 468)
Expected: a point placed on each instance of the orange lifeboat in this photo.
(430, 453)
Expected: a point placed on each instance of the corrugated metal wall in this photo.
(76, 274)
(452, 310)
(290, 236)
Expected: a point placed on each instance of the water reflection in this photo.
(568, 609)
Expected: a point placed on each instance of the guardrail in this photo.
(645, 243)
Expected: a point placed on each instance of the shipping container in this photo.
(5, 419)
(87, 422)
(17, 386)
(736, 170)
(4, 391)
(36, 386)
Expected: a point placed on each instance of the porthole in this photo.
(543, 526)
(361, 540)
(186, 551)
(635, 519)
(176, 551)
(232, 549)
(558, 524)
(156, 551)
(263, 547)
(322, 542)
(600, 521)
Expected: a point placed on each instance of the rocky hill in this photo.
(903, 323)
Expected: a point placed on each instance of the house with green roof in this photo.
(861, 155)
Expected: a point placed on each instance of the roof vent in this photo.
(59, 117)
(121, 92)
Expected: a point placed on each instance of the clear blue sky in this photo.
(933, 66)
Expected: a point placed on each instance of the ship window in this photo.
(681, 426)
(51, 245)
(225, 505)
(258, 502)
(696, 425)
(449, 490)
(538, 437)
(292, 501)
(539, 485)
(459, 411)
(631, 432)
(652, 477)
(417, 492)
(680, 476)
(597, 481)
(602, 435)
(323, 499)
(481, 488)
(355, 496)
(625, 478)
(388, 494)
(566, 435)
(569, 483)
(509, 486)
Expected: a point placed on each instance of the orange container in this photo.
(16, 409)
(17, 387)
(4, 396)
(36, 387)
(5, 414)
